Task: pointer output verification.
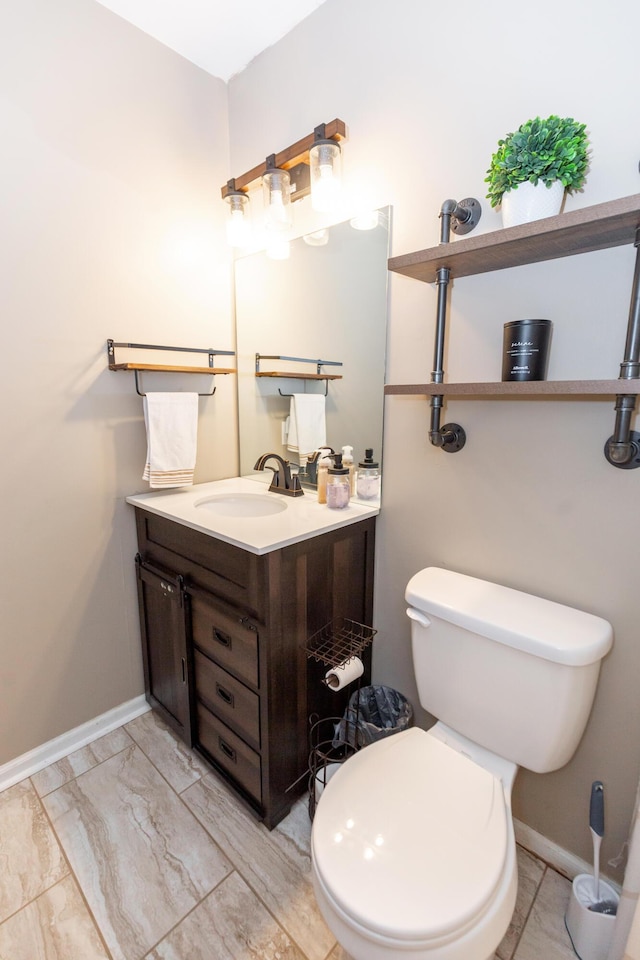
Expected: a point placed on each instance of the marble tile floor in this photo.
(132, 849)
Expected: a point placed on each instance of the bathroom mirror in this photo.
(327, 301)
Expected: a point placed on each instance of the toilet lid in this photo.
(410, 837)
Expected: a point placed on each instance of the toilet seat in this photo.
(411, 839)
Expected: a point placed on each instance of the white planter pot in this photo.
(527, 202)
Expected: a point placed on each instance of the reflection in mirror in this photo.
(328, 301)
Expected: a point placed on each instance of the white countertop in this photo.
(301, 518)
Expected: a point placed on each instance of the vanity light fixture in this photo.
(307, 166)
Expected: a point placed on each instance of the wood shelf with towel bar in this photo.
(599, 227)
(298, 374)
(210, 369)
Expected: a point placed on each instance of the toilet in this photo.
(413, 848)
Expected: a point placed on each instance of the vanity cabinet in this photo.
(240, 621)
(164, 645)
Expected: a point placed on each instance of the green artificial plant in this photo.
(547, 150)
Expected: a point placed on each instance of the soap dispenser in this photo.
(347, 460)
(368, 483)
(323, 466)
(338, 489)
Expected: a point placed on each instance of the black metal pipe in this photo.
(630, 366)
(621, 447)
(437, 375)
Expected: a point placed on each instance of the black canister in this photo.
(526, 349)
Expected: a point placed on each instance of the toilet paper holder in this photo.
(339, 646)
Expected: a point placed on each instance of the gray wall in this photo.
(530, 502)
(113, 152)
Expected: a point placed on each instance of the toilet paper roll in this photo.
(345, 673)
(323, 776)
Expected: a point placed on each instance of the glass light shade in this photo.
(238, 226)
(276, 187)
(324, 161)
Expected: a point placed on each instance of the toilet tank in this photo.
(512, 672)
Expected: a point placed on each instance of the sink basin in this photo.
(243, 504)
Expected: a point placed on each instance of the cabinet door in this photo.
(164, 646)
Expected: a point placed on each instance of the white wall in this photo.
(426, 91)
(113, 153)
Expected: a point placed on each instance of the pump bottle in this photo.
(368, 483)
(338, 491)
(323, 466)
(347, 460)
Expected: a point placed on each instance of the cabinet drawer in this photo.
(228, 698)
(225, 636)
(230, 752)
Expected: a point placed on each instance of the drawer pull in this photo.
(222, 638)
(227, 750)
(224, 695)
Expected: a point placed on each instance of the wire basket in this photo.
(339, 640)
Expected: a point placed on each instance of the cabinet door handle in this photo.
(222, 638)
(224, 695)
(184, 670)
(226, 749)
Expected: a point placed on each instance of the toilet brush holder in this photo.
(591, 931)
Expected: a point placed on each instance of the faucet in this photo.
(285, 483)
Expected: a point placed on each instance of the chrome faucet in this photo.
(282, 481)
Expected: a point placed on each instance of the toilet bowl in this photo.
(412, 845)
(413, 849)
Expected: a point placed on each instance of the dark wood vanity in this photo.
(224, 635)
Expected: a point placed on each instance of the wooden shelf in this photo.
(166, 368)
(610, 224)
(299, 376)
(512, 390)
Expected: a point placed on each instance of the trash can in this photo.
(374, 712)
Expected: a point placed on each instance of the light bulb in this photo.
(238, 227)
(324, 161)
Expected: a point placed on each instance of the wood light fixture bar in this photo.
(287, 159)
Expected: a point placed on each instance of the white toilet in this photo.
(413, 849)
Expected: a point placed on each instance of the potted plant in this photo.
(543, 158)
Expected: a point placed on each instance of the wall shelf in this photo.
(299, 376)
(599, 227)
(320, 374)
(211, 370)
(610, 224)
(513, 390)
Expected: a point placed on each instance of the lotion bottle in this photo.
(323, 467)
(347, 460)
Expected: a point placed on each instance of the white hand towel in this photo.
(171, 420)
(307, 427)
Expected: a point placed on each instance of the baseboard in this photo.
(40, 757)
(566, 863)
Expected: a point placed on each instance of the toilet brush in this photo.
(591, 912)
(596, 825)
